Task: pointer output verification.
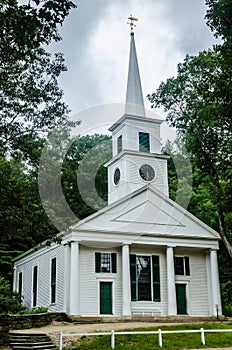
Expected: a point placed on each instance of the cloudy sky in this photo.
(96, 46)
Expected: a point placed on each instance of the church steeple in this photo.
(134, 94)
(137, 160)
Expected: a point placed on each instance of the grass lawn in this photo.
(150, 342)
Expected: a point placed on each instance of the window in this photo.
(144, 142)
(119, 144)
(20, 284)
(182, 265)
(106, 262)
(35, 282)
(145, 278)
(53, 280)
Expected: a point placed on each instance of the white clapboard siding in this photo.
(89, 281)
(42, 259)
(198, 288)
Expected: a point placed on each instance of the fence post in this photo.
(60, 341)
(202, 336)
(160, 337)
(112, 340)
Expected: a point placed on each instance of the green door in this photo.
(181, 299)
(105, 297)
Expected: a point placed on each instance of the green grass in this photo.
(150, 342)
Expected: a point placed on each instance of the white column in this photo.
(74, 285)
(216, 296)
(126, 299)
(171, 287)
(66, 277)
(15, 279)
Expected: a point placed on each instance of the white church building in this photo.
(143, 254)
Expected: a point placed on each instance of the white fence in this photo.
(113, 334)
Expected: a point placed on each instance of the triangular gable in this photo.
(147, 211)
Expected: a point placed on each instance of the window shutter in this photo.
(97, 262)
(156, 277)
(119, 143)
(144, 142)
(133, 276)
(187, 267)
(114, 262)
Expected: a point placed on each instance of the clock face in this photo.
(117, 175)
(146, 172)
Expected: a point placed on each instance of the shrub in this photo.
(10, 302)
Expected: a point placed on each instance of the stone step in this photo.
(29, 339)
(28, 344)
(26, 341)
(41, 347)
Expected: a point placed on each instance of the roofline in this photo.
(135, 117)
(125, 152)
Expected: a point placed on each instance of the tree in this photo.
(84, 177)
(199, 105)
(31, 100)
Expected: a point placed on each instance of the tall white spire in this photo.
(134, 94)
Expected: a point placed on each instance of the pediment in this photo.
(146, 212)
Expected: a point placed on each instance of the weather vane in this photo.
(131, 23)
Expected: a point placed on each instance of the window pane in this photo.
(144, 142)
(144, 277)
(105, 262)
(179, 266)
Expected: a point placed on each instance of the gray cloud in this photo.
(96, 43)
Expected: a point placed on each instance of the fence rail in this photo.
(159, 332)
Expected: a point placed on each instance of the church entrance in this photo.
(181, 299)
(105, 298)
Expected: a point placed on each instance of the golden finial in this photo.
(131, 23)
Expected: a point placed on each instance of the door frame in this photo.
(99, 296)
(186, 295)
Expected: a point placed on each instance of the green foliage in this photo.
(84, 178)
(31, 100)
(23, 222)
(37, 310)
(10, 302)
(170, 341)
(219, 18)
(226, 292)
